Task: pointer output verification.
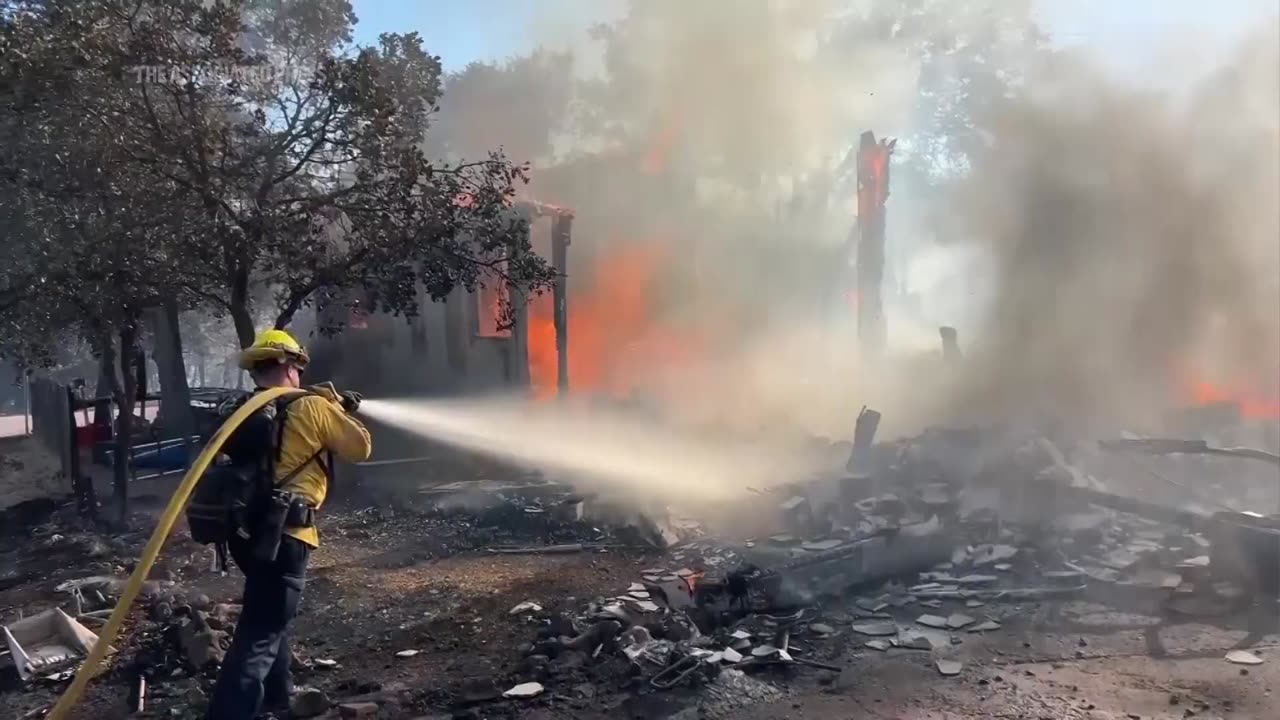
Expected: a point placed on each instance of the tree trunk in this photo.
(175, 402)
(240, 311)
(244, 325)
(105, 386)
(123, 391)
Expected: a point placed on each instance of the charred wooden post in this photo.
(950, 344)
(518, 370)
(457, 329)
(561, 237)
(873, 191)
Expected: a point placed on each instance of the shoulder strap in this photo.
(315, 457)
(281, 415)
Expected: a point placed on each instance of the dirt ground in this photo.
(388, 580)
(26, 471)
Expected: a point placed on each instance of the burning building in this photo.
(458, 346)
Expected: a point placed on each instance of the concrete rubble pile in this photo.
(918, 546)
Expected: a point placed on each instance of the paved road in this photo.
(11, 425)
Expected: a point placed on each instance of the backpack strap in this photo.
(274, 456)
(315, 458)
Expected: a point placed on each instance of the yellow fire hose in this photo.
(152, 551)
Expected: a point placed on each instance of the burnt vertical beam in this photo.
(457, 331)
(561, 237)
(950, 344)
(873, 191)
(518, 343)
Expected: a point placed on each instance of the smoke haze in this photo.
(1135, 241)
(1105, 252)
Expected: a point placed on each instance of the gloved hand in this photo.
(351, 400)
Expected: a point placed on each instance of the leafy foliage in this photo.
(287, 159)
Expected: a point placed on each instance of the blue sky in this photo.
(1130, 35)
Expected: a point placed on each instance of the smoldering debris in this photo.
(939, 544)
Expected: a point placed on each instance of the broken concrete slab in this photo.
(933, 621)
(881, 645)
(987, 626)
(876, 629)
(919, 640)
(525, 690)
(1243, 657)
(949, 668)
(957, 621)
(976, 579)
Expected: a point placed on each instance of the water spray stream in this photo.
(597, 448)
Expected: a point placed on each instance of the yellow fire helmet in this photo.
(275, 345)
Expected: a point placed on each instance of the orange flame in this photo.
(1253, 404)
(616, 331)
(1256, 400)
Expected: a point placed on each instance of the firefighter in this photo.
(313, 428)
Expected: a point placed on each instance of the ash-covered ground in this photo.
(960, 574)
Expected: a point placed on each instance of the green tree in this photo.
(296, 155)
(88, 258)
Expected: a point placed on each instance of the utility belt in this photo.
(300, 513)
(281, 511)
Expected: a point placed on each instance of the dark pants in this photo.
(255, 672)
